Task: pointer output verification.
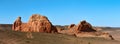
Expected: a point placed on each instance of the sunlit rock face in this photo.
(36, 23)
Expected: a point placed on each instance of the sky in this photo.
(63, 12)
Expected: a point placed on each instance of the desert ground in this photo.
(7, 36)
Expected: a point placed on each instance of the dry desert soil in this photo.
(7, 36)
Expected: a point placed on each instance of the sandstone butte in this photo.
(36, 23)
(39, 23)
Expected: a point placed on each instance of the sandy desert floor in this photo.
(115, 32)
(11, 37)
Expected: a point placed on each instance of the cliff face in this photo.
(36, 23)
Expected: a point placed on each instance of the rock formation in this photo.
(17, 24)
(85, 29)
(36, 23)
(83, 26)
(39, 23)
(71, 26)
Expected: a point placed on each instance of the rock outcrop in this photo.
(71, 26)
(85, 29)
(36, 23)
(39, 23)
(83, 26)
(17, 24)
